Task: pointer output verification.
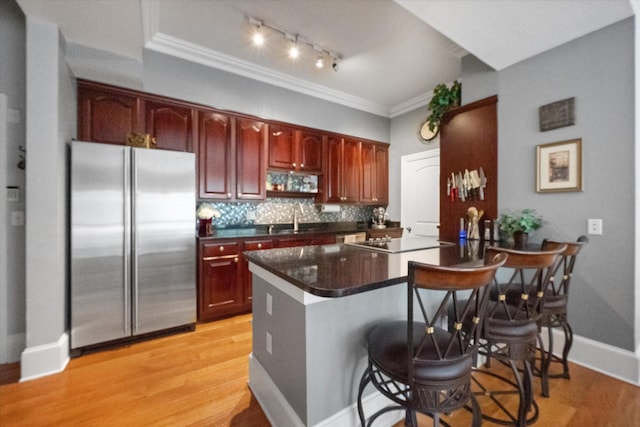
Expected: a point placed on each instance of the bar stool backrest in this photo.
(520, 298)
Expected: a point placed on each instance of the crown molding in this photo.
(411, 104)
(179, 48)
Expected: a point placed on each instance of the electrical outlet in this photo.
(269, 343)
(251, 215)
(594, 226)
(269, 304)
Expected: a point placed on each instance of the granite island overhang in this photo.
(312, 308)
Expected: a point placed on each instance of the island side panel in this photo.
(336, 351)
(286, 365)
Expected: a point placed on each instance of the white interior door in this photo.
(420, 193)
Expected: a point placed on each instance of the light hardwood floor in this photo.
(200, 379)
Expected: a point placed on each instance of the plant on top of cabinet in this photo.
(443, 99)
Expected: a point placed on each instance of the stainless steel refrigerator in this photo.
(133, 242)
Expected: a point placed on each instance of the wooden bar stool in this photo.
(554, 309)
(420, 365)
(510, 331)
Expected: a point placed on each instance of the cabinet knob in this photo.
(221, 248)
(294, 164)
(259, 245)
(239, 195)
(154, 141)
(228, 195)
(301, 165)
(235, 259)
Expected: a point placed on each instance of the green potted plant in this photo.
(518, 225)
(444, 98)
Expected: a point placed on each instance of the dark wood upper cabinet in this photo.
(233, 150)
(310, 149)
(296, 150)
(342, 170)
(468, 140)
(374, 173)
(171, 126)
(108, 115)
(251, 153)
(216, 155)
(282, 150)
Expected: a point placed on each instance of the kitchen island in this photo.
(312, 308)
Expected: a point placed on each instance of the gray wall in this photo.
(12, 83)
(598, 70)
(50, 123)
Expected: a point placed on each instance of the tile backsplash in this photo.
(280, 211)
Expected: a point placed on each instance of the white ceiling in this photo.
(394, 52)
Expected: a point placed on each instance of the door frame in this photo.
(4, 303)
(404, 160)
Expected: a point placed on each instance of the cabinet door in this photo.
(252, 245)
(170, 125)
(251, 145)
(374, 173)
(382, 174)
(216, 156)
(333, 170)
(220, 290)
(108, 115)
(310, 149)
(351, 171)
(367, 173)
(282, 153)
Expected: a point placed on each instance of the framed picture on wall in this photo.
(559, 166)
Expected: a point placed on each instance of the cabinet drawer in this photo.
(254, 245)
(219, 249)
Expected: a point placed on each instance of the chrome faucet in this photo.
(295, 215)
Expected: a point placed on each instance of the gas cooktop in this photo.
(404, 244)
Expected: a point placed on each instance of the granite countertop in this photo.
(339, 270)
(286, 229)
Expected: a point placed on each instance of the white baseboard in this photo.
(46, 359)
(280, 413)
(604, 358)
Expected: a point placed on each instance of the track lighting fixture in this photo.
(258, 36)
(296, 42)
(294, 52)
(319, 58)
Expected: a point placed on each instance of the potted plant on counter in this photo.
(518, 225)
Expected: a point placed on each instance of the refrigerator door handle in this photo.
(127, 241)
(134, 242)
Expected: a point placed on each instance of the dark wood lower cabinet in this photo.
(224, 279)
(219, 273)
